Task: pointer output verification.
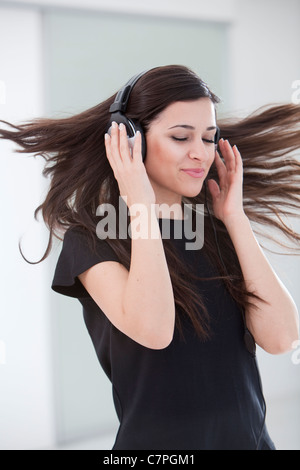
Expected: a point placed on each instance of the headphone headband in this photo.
(118, 113)
(122, 97)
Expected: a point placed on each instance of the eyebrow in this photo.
(186, 126)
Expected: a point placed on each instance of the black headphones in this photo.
(118, 110)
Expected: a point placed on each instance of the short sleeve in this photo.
(76, 257)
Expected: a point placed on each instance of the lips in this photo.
(194, 172)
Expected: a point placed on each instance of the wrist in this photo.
(143, 221)
(142, 209)
(234, 222)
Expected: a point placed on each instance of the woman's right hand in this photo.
(128, 167)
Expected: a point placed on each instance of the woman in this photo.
(174, 329)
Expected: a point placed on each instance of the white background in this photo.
(264, 62)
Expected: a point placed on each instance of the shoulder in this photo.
(80, 241)
(79, 252)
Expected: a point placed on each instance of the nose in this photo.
(199, 151)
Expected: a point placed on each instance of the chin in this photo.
(192, 192)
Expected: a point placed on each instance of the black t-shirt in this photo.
(191, 395)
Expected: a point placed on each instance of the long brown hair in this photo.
(81, 177)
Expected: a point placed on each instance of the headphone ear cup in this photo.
(119, 118)
(217, 137)
(131, 128)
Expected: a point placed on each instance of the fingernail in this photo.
(121, 126)
(114, 124)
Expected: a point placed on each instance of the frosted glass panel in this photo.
(88, 57)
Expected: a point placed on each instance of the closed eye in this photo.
(184, 139)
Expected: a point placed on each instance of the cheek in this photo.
(159, 159)
(212, 155)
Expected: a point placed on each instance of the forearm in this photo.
(274, 323)
(148, 298)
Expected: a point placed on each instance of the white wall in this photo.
(264, 65)
(218, 10)
(265, 60)
(26, 405)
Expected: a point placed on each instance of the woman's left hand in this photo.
(228, 195)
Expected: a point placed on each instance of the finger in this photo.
(108, 147)
(109, 153)
(238, 159)
(115, 143)
(137, 147)
(213, 188)
(221, 169)
(228, 155)
(124, 146)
